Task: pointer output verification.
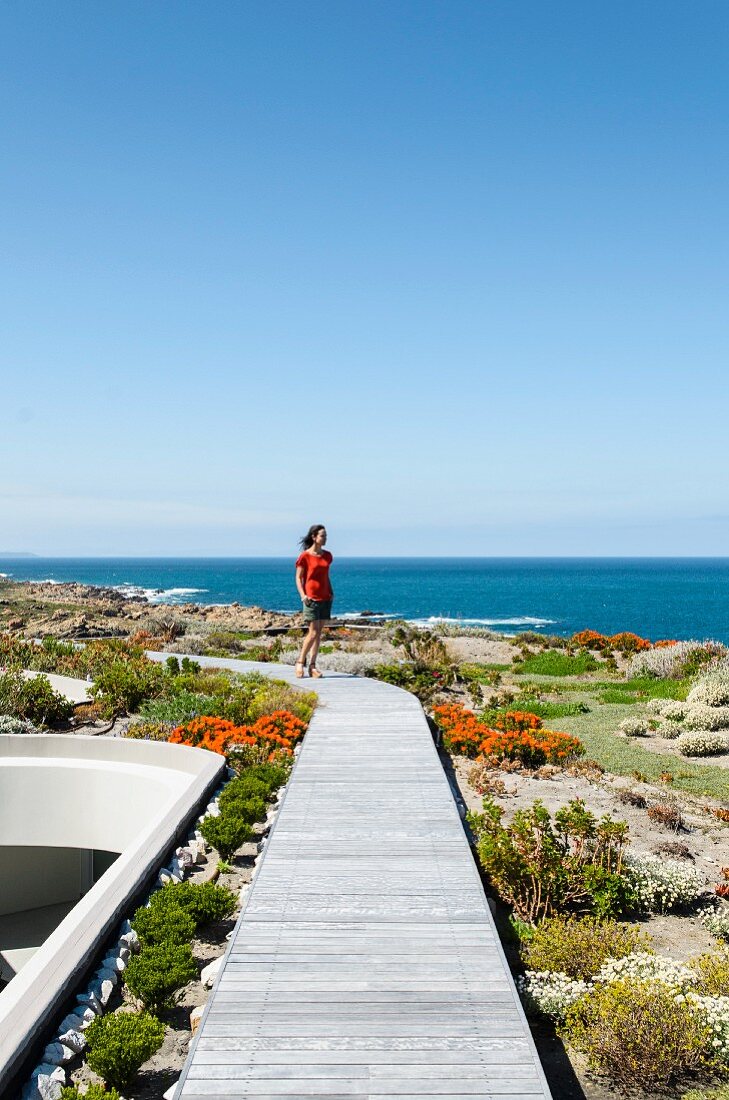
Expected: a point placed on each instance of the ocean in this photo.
(655, 597)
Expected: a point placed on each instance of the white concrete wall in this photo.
(32, 877)
(89, 792)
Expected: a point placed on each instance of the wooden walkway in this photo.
(365, 962)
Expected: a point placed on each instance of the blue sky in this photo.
(449, 277)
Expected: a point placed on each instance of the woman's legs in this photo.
(314, 649)
(311, 638)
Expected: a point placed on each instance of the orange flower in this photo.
(281, 730)
(519, 737)
(590, 639)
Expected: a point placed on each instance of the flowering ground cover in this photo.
(517, 736)
(273, 735)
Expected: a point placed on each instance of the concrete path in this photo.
(365, 962)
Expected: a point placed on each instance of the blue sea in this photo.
(655, 597)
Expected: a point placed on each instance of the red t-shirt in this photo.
(316, 574)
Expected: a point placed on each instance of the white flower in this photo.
(700, 716)
(642, 966)
(702, 743)
(668, 661)
(549, 992)
(712, 690)
(715, 1012)
(671, 730)
(662, 884)
(717, 923)
(9, 724)
(673, 711)
(634, 727)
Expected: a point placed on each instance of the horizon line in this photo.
(27, 556)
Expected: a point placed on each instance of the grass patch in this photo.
(481, 671)
(648, 688)
(617, 695)
(553, 663)
(637, 689)
(547, 710)
(623, 756)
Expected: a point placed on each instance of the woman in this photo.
(312, 581)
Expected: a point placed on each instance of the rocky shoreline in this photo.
(79, 611)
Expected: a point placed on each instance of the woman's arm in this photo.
(300, 582)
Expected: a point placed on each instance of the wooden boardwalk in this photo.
(365, 962)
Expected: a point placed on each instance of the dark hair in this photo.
(308, 539)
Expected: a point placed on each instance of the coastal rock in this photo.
(46, 1083)
(129, 939)
(74, 1040)
(210, 972)
(115, 964)
(73, 1022)
(185, 858)
(90, 1000)
(195, 1017)
(106, 991)
(176, 869)
(57, 1054)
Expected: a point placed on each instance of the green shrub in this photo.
(273, 775)
(178, 708)
(163, 924)
(249, 810)
(578, 946)
(122, 685)
(225, 833)
(542, 867)
(93, 1092)
(214, 691)
(172, 665)
(120, 1043)
(203, 902)
(158, 971)
(552, 663)
(421, 647)
(721, 1092)
(273, 695)
(639, 1034)
(244, 786)
(32, 698)
(425, 683)
(712, 971)
(16, 726)
(227, 640)
(149, 731)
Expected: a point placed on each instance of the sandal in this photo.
(299, 669)
(314, 672)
